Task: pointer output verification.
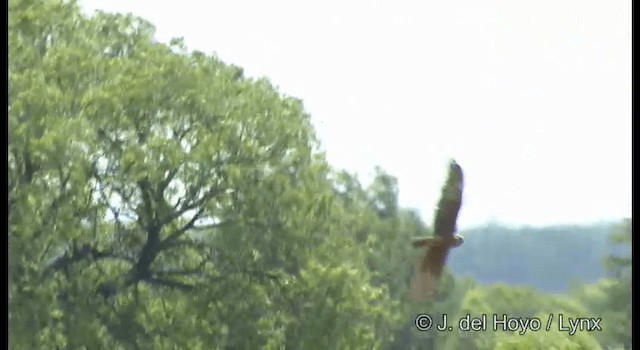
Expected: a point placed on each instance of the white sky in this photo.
(532, 98)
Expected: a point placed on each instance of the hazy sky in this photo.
(532, 98)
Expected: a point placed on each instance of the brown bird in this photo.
(429, 267)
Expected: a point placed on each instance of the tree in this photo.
(159, 199)
(516, 302)
(610, 299)
(552, 339)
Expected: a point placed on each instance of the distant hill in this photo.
(548, 258)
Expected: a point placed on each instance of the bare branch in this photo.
(167, 180)
(178, 202)
(147, 201)
(179, 232)
(210, 194)
(86, 252)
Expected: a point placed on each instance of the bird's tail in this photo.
(423, 285)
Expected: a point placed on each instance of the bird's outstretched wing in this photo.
(450, 202)
(430, 266)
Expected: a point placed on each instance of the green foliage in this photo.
(517, 302)
(552, 339)
(160, 200)
(610, 298)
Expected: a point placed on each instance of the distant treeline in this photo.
(548, 258)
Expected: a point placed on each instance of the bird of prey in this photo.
(429, 267)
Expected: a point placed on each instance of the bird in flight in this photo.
(429, 267)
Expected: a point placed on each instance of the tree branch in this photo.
(179, 232)
(86, 252)
(210, 194)
(167, 180)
